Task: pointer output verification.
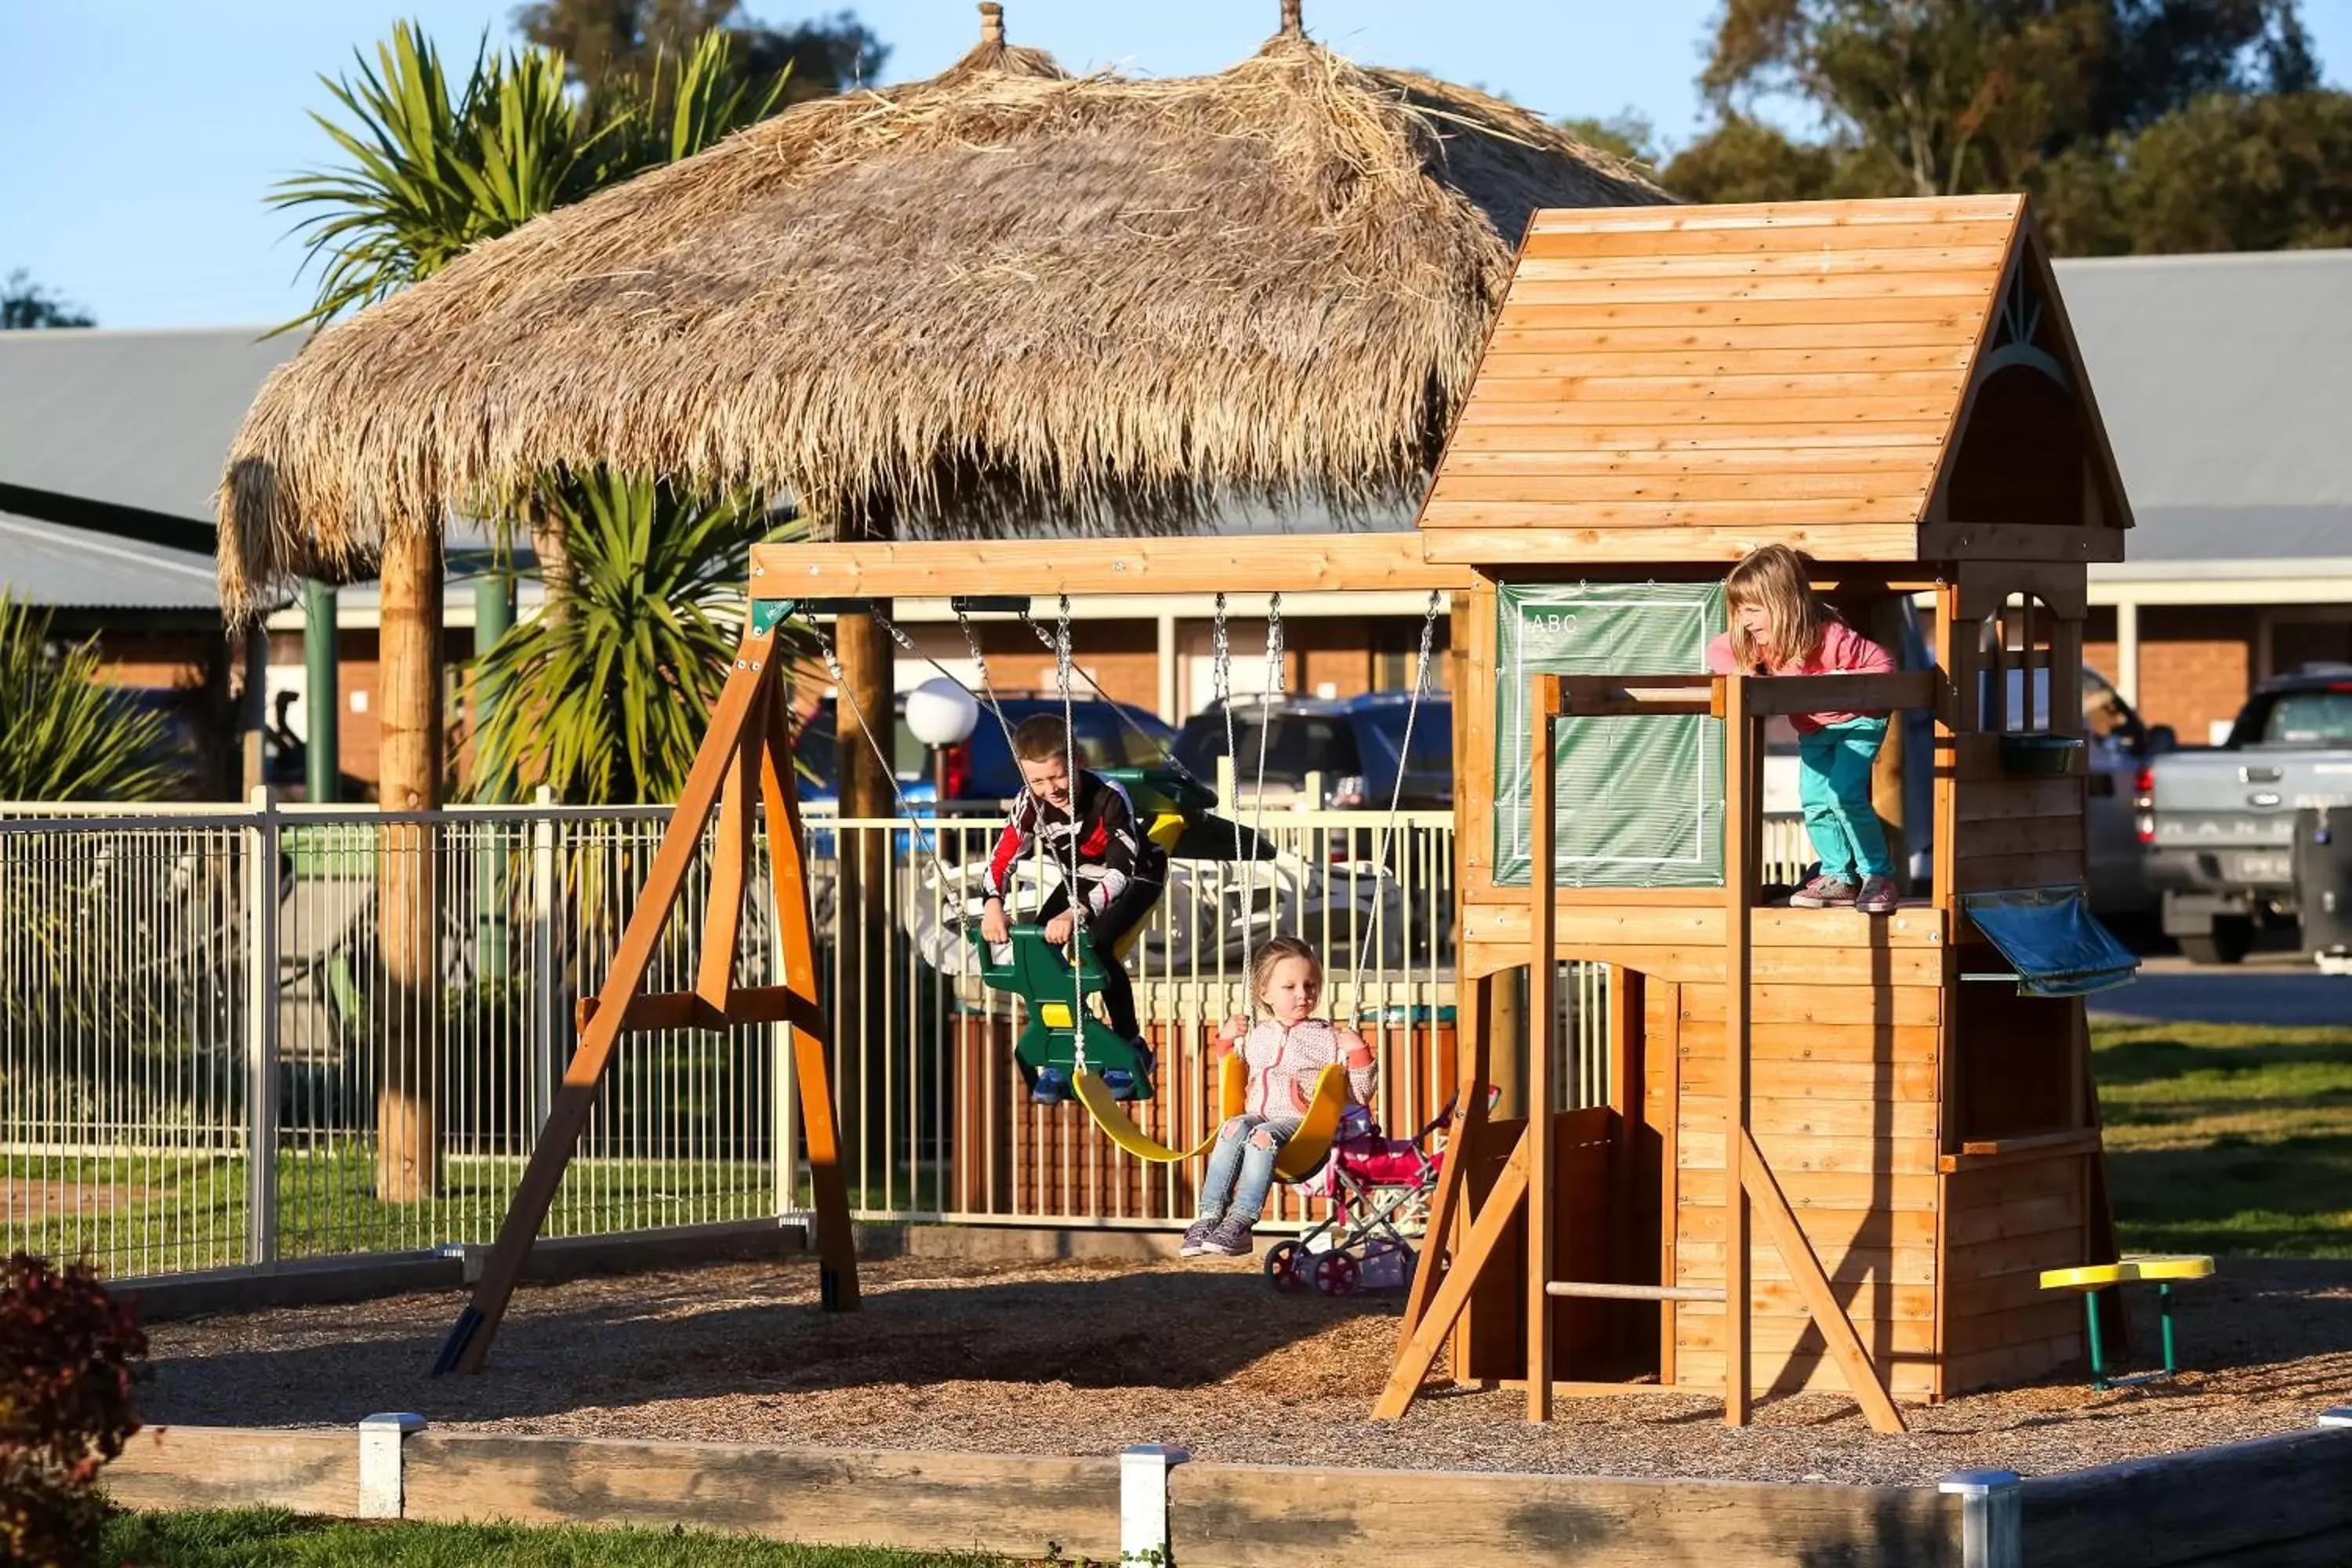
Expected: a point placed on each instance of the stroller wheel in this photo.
(1284, 1266)
(1336, 1274)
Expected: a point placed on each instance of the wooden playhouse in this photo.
(1830, 1149)
(1892, 388)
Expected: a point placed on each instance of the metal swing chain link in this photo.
(1116, 708)
(1396, 798)
(1074, 893)
(1277, 683)
(906, 807)
(988, 690)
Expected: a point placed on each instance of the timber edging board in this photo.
(2284, 1499)
(2274, 1499)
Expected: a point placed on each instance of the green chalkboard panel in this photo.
(1640, 799)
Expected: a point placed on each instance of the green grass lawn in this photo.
(268, 1538)
(2228, 1139)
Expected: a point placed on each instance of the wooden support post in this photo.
(1543, 983)
(1738, 901)
(409, 864)
(1494, 1217)
(787, 857)
(469, 1341)
(731, 863)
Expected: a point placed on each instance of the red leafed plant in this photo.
(66, 1354)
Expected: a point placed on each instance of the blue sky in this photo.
(137, 141)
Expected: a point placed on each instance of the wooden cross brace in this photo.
(746, 755)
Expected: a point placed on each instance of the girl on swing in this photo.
(1287, 1051)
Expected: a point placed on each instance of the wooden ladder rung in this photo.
(1635, 1292)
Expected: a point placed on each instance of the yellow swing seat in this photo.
(1300, 1158)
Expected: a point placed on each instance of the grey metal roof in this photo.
(2225, 383)
(46, 564)
(132, 418)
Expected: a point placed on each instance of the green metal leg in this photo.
(2098, 1351)
(2164, 1315)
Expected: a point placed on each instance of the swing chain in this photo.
(1277, 683)
(987, 690)
(1396, 799)
(906, 807)
(1076, 894)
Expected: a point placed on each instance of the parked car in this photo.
(2219, 824)
(2120, 748)
(1356, 744)
(980, 772)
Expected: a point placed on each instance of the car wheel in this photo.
(2227, 942)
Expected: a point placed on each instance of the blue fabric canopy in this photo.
(2053, 940)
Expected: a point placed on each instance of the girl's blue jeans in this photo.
(1833, 784)
(1241, 1167)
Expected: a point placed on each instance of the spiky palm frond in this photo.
(69, 736)
(605, 705)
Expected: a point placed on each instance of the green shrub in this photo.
(65, 1353)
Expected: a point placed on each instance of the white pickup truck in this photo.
(2220, 827)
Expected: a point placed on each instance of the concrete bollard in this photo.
(1143, 1501)
(380, 1441)
(1992, 1520)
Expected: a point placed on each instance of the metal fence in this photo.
(204, 1064)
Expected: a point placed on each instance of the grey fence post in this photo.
(1992, 1523)
(381, 1437)
(544, 989)
(1143, 1501)
(261, 857)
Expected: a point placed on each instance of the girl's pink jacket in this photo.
(1844, 651)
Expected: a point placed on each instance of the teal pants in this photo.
(1833, 784)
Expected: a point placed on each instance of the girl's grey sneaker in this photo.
(1822, 893)
(1878, 896)
(1231, 1238)
(1196, 1238)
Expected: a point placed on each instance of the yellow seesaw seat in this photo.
(1300, 1158)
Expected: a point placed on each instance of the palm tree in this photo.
(68, 735)
(432, 172)
(605, 705)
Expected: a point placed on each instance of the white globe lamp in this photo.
(940, 713)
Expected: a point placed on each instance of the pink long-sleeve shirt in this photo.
(1844, 651)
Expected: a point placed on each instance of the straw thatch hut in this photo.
(998, 298)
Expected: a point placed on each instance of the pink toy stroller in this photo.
(1381, 1188)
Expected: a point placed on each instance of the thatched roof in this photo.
(963, 304)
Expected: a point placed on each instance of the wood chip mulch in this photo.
(1087, 1358)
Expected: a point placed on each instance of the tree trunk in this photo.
(408, 1143)
(863, 929)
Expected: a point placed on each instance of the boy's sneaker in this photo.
(1196, 1238)
(1878, 896)
(1822, 893)
(1228, 1238)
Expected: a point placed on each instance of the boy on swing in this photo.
(1122, 870)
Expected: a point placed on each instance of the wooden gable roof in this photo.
(1684, 384)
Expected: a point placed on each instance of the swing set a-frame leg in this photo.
(741, 724)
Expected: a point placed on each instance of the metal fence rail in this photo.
(204, 1066)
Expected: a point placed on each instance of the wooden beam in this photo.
(1229, 563)
(2018, 542)
(1469, 1118)
(1612, 696)
(730, 864)
(1738, 901)
(1557, 542)
(692, 1010)
(796, 939)
(1845, 1346)
(1842, 693)
(1495, 1216)
(1543, 984)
